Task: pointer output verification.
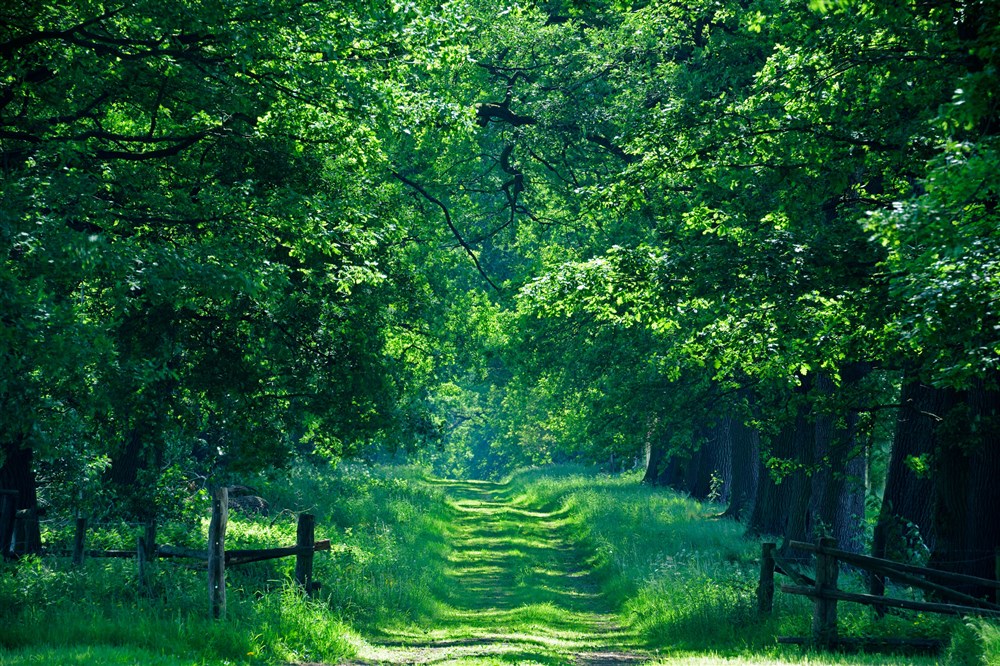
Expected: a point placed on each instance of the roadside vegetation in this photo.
(385, 527)
(685, 580)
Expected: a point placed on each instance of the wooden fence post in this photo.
(140, 563)
(765, 587)
(305, 541)
(150, 539)
(79, 539)
(217, 552)
(824, 627)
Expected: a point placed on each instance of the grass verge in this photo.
(385, 527)
(686, 581)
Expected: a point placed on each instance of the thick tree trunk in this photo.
(799, 526)
(839, 485)
(908, 499)
(18, 473)
(745, 466)
(672, 474)
(712, 465)
(127, 463)
(656, 457)
(966, 525)
(771, 508)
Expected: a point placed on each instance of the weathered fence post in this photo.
(824, 627)
(217, 552)
(79, 539)
(146, 552)
(150, 539)
(765, 587)
(305, 541)
(140, 563)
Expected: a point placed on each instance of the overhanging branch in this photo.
(451, 225)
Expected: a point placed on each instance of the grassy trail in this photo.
(515, 591)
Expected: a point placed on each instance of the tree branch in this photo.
(451, 225)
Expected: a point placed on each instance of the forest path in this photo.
(516, 592)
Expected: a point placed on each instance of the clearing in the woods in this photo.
(518, 591)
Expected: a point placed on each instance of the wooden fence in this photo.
(215, 558)
(822, 589)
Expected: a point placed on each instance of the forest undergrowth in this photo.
(679, 581)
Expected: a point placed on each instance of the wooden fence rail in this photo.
(823, 589)
(215, 558)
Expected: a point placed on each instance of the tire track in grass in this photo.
(517, 592)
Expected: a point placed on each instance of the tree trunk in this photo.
(655, 458)
(714, 464)
(18, 473)
(905, 519)
(770, 510)
(799, 526)
(839, 486)
(966, 527)
(135, 455)
(745, 466)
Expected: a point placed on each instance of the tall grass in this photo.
(385, 528)
(686, 580)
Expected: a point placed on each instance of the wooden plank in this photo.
(237, 557)
(878, 564)
(177, 551)
(305, 539)
(79, 539)
(871, 600)
(785, 567)
(242, 556)
(141, 561)
(954, 595)
(107, 553)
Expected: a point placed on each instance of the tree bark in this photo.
(217, 552)
(839, 486)
(745, 466)
(967, 467)
(799, 526)
(770, 510)
(655, 458)
(18, 473)
(908, 499)
(712, 465)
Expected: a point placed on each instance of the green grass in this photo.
(685, 581)
(384, 526)
(556, 566)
